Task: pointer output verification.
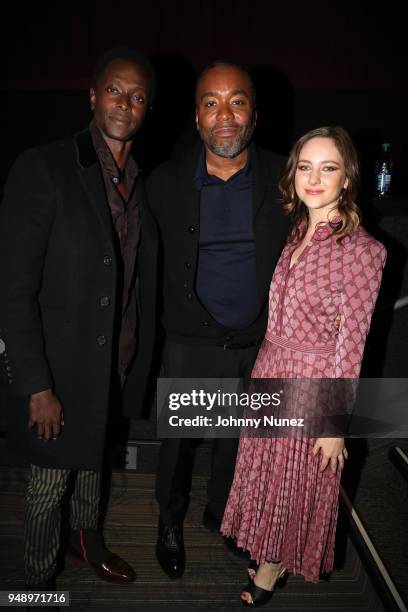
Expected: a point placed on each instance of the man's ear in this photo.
(92, 97)
(255, 116)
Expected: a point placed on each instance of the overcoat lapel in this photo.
(91, 178)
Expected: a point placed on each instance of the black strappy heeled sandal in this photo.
(261, 596)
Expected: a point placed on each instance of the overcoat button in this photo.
(104, 301)
(185, 286)
(188, 265)
(206, 324)
(101, 340)
(189, 296)
(107, 260)
(191, 229)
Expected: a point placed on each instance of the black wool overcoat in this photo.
(59, 280)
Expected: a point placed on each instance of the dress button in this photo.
(107, 260)
(188, 265)
(192, 229)
(189, 296)
(104, 301)
(101, 340)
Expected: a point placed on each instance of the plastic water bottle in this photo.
(383, 171)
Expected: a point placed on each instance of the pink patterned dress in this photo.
(280, 506)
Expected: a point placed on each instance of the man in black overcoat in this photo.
(77, 276)
(222, 231)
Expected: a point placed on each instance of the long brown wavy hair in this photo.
(348, 210)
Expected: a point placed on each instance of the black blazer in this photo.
(57, 260)
(175, 203)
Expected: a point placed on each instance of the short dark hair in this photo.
(224, 63)
(131, 55)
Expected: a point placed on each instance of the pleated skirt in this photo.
(280, 506)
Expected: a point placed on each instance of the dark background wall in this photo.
(314, 63)
(330, 45)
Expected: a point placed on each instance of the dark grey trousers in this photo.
(176, 460)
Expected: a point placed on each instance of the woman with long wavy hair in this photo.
(283, 502)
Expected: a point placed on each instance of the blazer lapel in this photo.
(91, 177)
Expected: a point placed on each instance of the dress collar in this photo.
(323, 230)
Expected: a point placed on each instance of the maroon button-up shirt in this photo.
(125, 217)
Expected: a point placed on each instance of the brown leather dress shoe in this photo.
(111, 569)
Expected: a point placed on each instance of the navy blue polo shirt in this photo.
(226, 275)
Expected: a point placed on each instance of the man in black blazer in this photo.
(77, 272)
(222, 231)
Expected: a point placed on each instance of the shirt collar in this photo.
(106, 158)
(202, 177)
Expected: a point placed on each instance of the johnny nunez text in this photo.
(205, 421)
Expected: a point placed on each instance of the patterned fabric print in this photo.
(280, 506)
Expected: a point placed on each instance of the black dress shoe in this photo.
(170, 550)
(210, 521)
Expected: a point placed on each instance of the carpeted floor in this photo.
(380, 496)
(213, 577)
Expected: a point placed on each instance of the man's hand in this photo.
(46, 412)
(333, 452)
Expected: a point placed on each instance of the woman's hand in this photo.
(333, 452)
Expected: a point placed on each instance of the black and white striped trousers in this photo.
(42, 527)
